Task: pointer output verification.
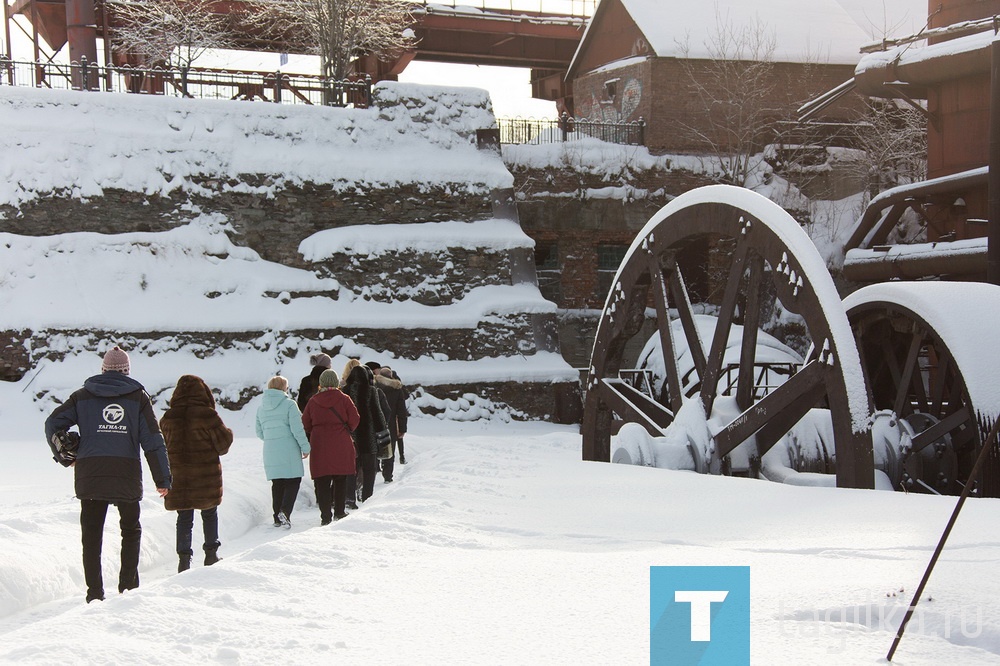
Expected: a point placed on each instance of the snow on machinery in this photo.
(900, 381)
(896, 388)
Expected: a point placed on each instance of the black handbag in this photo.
(384, 442)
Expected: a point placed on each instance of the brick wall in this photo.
(555, 209)
(660, 91)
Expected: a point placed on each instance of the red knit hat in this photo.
(115, 360)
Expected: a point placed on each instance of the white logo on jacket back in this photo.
(113, 415)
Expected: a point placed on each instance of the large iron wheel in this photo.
(928, 356)
(755, 248)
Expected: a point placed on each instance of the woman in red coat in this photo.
(329, 418)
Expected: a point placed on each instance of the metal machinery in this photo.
(472, 32)
(899, 383)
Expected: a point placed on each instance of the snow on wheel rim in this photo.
(770, 249)
(923, 345)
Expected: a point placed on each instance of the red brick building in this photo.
(670, 62)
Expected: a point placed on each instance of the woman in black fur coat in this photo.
(360, 388)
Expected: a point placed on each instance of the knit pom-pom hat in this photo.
(329, 379)
(322, 360)
(115, 360)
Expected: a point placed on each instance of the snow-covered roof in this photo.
(820, 31)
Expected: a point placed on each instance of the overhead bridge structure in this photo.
(542, 40)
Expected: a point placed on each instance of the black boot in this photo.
(183, 563)
(211, 557)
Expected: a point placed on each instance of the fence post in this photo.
(184, 81)
(564, 125)
(84, 74)
(642, 131)
(277, 87)
(368, 90)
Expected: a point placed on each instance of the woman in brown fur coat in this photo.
(195, 437)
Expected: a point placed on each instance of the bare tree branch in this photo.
(734, 88)
(171, 33)
(338, 31)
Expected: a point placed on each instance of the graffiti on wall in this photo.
(612, 103)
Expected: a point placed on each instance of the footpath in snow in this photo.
(495, 544)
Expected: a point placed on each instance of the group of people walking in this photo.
(339, 426)
(348, 428)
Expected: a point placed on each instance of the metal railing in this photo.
(581, 8)
(537, 131)
(767, 377)
(193, 82)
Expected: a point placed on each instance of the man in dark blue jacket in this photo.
(115, 418)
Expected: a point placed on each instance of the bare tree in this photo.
(338, 31)
(894, 138)
(734, 87)
(171, 33)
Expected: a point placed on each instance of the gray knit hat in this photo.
(115, 360)
(329, 379)
(322, 360)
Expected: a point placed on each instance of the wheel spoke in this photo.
(891, 362)
(940, 381)
(727, 310)
(940, 429)
(683, 304)
(796, 394)
(906, 377)
(635, 406)
(751, 321)
(659, 286)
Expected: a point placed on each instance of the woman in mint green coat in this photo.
(279, 424)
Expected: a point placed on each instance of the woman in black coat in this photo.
(359, 387)
(310, 383)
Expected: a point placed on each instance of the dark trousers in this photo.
(369, 468)
(354, 482)
(283, 494)
(92, 516)
(209, 525)
(389, 464)
(331, 495)
(399, 447)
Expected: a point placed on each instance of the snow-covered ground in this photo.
(495, 544)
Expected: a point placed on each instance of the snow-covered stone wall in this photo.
(191, 229)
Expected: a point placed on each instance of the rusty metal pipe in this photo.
(6, 30)
(81, 34)
(942, 64)
(880, 266)
(993, 230)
